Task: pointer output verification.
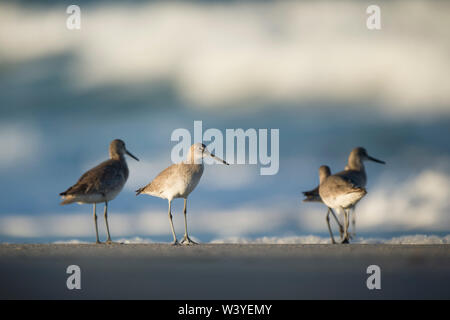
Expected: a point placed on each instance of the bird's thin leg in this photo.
(106, 221)
(346, 235)
(185, 219)
(186, 239)
(96, 227)
(341, 229)
(329, 227)
(353, 222)
(175, 241)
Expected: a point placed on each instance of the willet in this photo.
(344, 189)
(178, 181)
(102, 183)
(313, 196)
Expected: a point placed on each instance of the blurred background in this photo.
(137, 70)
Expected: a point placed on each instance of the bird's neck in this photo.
(198, 162)
(123, 163)
(355, 163)
(322, 178)
(192, 159)
(118, 157)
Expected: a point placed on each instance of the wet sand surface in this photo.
(224, 271)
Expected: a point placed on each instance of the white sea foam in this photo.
(418, 239)
(312, 239)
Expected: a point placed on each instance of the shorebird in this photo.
(313, 196)
(178, 181)
(102, 183)
(343, 190)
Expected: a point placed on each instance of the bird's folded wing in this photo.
(98, 179)
(351, 178)
(337, 184)
(158, 184)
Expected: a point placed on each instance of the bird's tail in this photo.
(139, 191)
(312, 196)
(67, 192)
(67, 199)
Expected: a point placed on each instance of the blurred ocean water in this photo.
(137, 71)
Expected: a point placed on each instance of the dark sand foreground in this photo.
(224, 271)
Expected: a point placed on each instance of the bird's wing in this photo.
(350, 177)
(98, 179)
(158, 184)
(338, 185)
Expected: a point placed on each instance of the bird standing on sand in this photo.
(178, 181)
(343, 190)
(102, 183)
(313, 196)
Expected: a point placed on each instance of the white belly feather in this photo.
(344, 200)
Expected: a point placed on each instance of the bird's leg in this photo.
(106, 220)
(341, 228)
(353, 222)
(329, 228)
(175, 241)
(186, 239)
(346, 235)
(96, 227)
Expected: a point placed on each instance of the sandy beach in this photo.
(224, 271)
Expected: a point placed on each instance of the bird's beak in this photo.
(375, 160)
(215, 157)
(129, 153)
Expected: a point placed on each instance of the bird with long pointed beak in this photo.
(343, 190)
(101, 183)
(178, 181)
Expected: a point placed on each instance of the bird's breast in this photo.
(191, 178)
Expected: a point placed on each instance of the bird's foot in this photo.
(98, 242)
(188, 241)
(175, 243)
(345, 241)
